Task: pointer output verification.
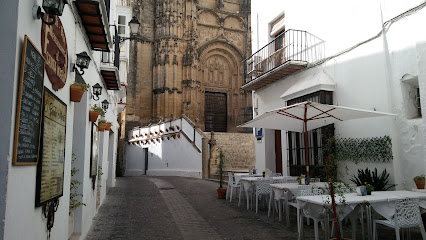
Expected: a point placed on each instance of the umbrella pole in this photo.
(333, 201)
(306, 140)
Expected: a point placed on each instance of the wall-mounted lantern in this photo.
(96, 90)
(83, 61)
(105, 104)
(52, 8)
(134, 26)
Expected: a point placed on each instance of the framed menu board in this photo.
(94, 151)
(29, 106)
(50, 169)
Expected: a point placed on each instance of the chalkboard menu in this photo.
(50, 170)
(29, 106)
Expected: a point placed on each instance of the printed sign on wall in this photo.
(54, 47)
(50, 171)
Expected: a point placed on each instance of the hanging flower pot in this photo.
(108, 126)
(174, 137)
(161, 131)
(171, 128)
(152, 140)
(94, 112)
(146, 134)
(177, 127)
(178, 135)
(76, 93)
(93, 116)
(168, 138)
(150, 133)
(167, 130)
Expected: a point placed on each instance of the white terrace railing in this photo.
(169, 148)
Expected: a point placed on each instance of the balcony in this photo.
(288, 53)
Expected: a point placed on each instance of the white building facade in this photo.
(87, 26)
(360, 54)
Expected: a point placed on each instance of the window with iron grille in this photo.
(418, 106)
(316, 139)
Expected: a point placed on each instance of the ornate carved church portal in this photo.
(187, 59)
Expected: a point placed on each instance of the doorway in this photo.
(278, 152)
(146, 159)
(215, 112)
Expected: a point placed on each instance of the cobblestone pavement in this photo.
(188, 208)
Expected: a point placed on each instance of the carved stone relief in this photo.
(206, 34)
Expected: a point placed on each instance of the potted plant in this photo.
(102, 125)
(108, 127)
(77, 90)
(369, 188)
(94, 112)
(221, 191)
(420, 181)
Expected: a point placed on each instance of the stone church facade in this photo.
(187, 59)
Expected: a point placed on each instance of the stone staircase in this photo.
(238, 149)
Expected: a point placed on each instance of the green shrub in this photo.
(380, 183)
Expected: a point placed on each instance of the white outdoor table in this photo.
(247, 184)
(383, 202)
(288, 190)
(238, 176)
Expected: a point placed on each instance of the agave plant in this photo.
(380, 183)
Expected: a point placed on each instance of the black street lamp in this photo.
(105, 104)
(83, 61)
(52, 8)
(97, 90)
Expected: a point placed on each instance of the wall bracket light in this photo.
(96, 91)
(134, 25)
(105, 104)
(83, 61)
(52, 8)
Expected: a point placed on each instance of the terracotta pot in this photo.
(102, 127)
(221, 193)
(108, 127)
(420, 184)
(93, 116)
(76, 93)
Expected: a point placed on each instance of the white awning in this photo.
(310, 84)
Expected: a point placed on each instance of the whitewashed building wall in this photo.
(375, 75)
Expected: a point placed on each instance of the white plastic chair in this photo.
(305, 213)
(302, 189)
(231, 186)
(407, 215)
(263, 188)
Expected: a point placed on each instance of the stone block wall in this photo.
(238, 149)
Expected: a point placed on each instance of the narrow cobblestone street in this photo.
(188, 208)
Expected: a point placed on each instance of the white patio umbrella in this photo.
(305, 116)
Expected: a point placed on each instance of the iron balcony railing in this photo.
(291, 45)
